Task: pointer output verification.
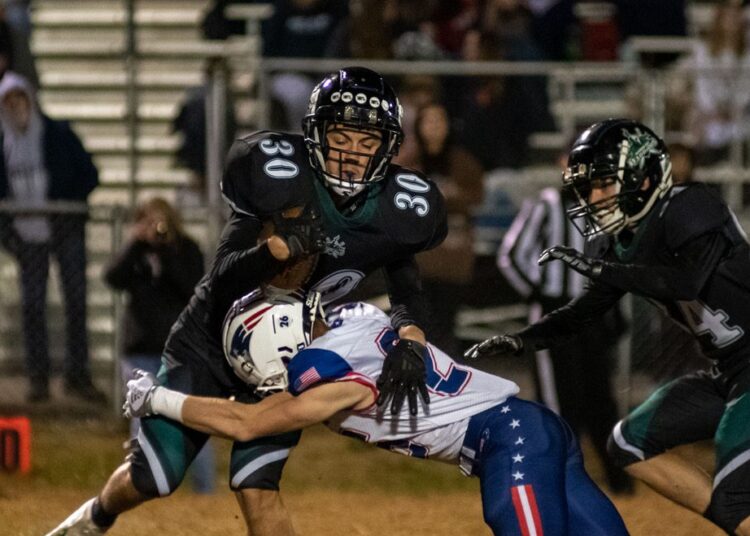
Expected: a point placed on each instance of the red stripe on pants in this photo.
(529, 522)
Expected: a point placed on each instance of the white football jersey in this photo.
(354, 350)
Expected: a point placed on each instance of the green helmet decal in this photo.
(636, 147)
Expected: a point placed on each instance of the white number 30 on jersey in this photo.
(413, 200)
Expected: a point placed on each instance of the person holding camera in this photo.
(157, 268)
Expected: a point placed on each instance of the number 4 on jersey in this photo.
(705, 321)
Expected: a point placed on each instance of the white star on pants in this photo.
(519, 441)
(515, 423)
(505, 409)
(518, 475)
(518, 458)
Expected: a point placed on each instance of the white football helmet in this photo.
(262, 333)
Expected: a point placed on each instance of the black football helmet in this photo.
(361, 99)
(624, 154)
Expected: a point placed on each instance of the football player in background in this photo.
(354, 212)
(682, 248)
(528, 461)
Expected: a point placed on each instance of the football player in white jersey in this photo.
(528, 461)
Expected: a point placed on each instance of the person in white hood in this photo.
(43, 160)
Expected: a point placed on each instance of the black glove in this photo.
(403, 375)
(303, 235)
(579, 262)
(497, 345)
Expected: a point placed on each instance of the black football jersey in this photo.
(689, 257)
(268, 172)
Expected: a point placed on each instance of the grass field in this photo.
(333, 486)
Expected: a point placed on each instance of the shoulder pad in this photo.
(413, 209)
(312, 366)
(267, 172)
(690, 211)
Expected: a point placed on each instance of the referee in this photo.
(571, 379)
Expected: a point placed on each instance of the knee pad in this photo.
(730, 501)
(258, 464)
(149, 474)
(146, 484)
(620, 451)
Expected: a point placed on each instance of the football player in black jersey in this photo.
(682, 248)
(359, 213)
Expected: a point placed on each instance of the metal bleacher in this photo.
(81, 48)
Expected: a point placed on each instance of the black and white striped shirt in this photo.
(539, 225)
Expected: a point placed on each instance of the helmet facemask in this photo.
(601, 216)
(342, 183)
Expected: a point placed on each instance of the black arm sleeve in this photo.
(408, 305)
(682, 279)
(241, 265)
(564, 323)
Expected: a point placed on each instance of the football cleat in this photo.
(79, 523)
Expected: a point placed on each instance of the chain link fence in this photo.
(57, 316)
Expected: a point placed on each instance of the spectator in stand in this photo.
(651, 17)
(722, 89)
(43, 160)
(496, 115)
(552, 27)
(683, 162)
(452, 19)
(415, 33)
(511, 21)
(16, 14)
(296, 29)
(157, 268)
(447, 269)
(190, 123)
(6, 47)
(367, 32)
(299, 29)
(216, 25)
(416, 91)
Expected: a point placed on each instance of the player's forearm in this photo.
(240, 256)
(566, 322)
(408, 304)
(219, 417)
(243, 422)
(682, 279)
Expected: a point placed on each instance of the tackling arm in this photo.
(274, 415)
(562, 324)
